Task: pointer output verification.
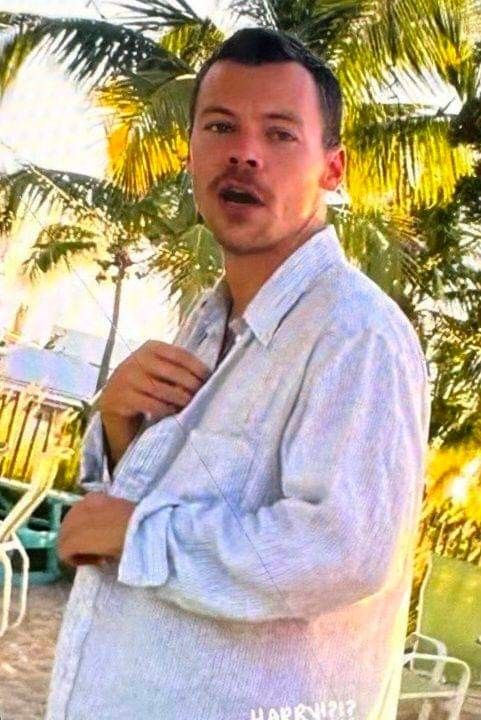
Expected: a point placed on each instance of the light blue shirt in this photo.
(267, 567)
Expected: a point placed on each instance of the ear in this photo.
(188, 162)
(334, 169)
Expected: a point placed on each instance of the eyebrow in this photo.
(282, 115)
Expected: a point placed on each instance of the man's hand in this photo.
(94, 529)
(158, 379)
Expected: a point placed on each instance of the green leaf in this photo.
(55, 244)
(88, 50)
(157, 14)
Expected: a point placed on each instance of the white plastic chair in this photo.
(41, 483)
(449, 617)
(421, 683)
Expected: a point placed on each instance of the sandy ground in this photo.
(26, 653)
(26, 656)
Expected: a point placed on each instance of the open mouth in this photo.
(241, 197)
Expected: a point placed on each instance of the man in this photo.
(250, 552)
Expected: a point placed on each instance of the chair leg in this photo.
(425, 712)
(7, 590)
(24, 589)
(454, 707)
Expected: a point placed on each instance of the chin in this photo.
(234, 246)
(243, 243)
(240, 239)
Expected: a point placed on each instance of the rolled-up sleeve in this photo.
(94, 472)
(351, 462)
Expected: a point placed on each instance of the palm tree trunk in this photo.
(109, 345)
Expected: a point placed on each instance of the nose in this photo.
(245, 150)
(236, 160)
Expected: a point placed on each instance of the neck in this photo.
(245, 274)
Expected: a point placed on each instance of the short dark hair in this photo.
(256, 46)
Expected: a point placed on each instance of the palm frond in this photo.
(175, 209)
(369, 42)
(320, 24)
(139, 158)
(58, 243)
(193, 42)
(185, 248)
(192, 259)
(14, 50)
(466, 126)
(469, 197)
(457, 351)
(35, 188)
(383, 245)
(449, 260)
(412, 39)
(404, 159)
(73, 192)
(82, 199)
(259, 12)
(149, 112)
(451, 42)
(155, 15)
(149, 99)
(88, 50)
(147, 139)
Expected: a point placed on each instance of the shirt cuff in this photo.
(144, 560)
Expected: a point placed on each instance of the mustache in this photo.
(245, 177)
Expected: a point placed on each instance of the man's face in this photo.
(256, 157)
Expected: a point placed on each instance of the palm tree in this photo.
(99, 222)
(454, 267)
(146, 83)
(144, 155)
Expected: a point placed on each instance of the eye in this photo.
(282, 135)
(218, 126)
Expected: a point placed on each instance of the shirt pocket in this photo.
(209, 466)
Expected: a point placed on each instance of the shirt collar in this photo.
(284, 287)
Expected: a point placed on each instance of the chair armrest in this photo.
(438, 647)
(440, 661)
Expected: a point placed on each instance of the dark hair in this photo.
(256, 46)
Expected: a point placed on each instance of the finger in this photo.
(137, 402)
(74, 546)
(148, 405)
(85, 559)
(164, 392)
(179, 356)
(77, 517)
(172, 373)
(72, 519)
(64, 554)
